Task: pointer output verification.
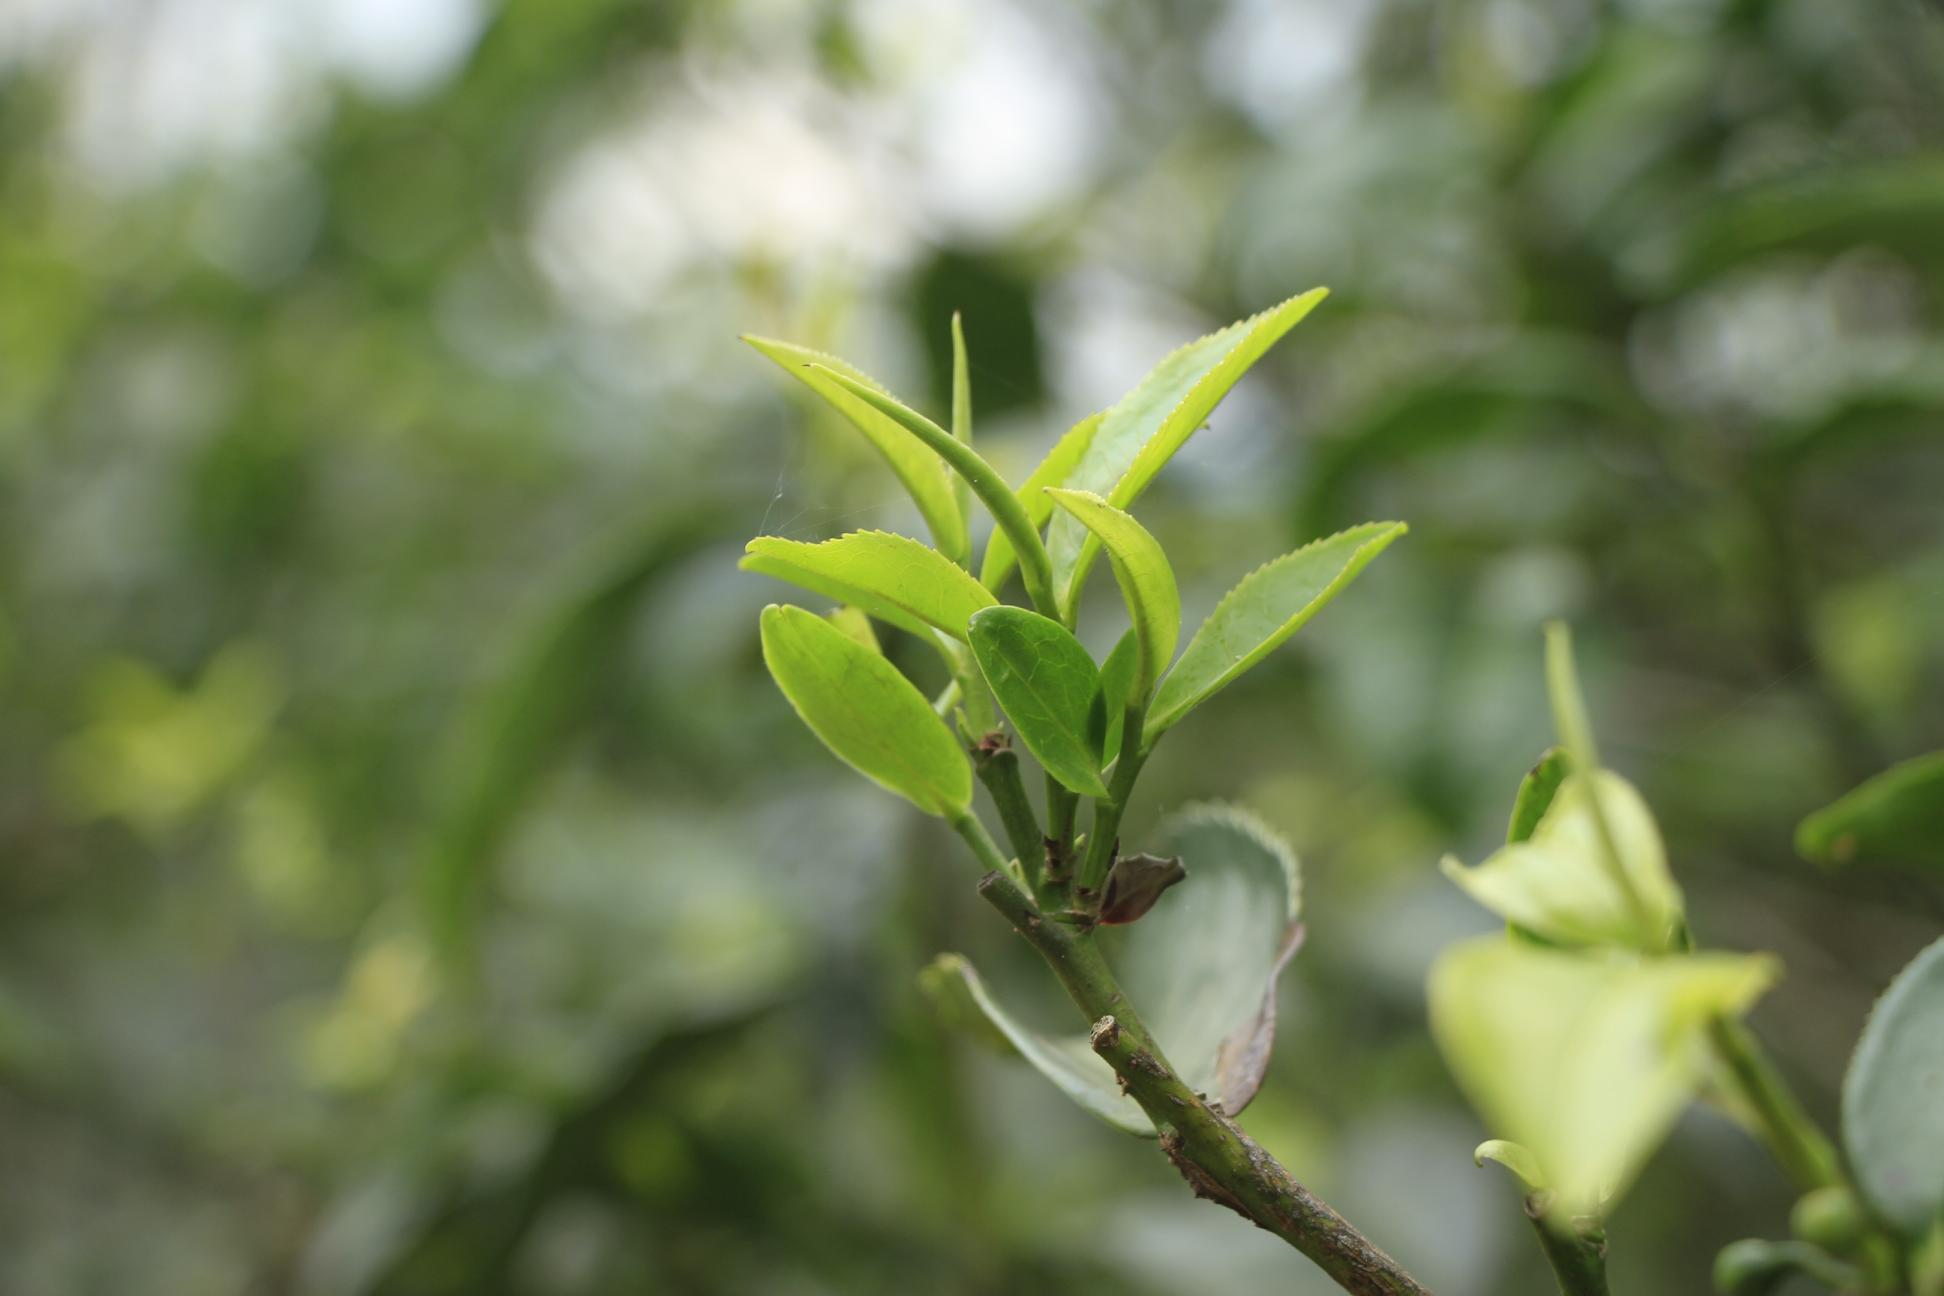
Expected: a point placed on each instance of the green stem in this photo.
(984, 848)
(1803, 1150)
(1576, 1252)
(1034, 564)
(1104, 839)
(1062, 810)
(1217, 1159)
(998, 768)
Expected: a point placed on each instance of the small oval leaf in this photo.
(1269, 605)
(1893, 1098)
(1147, 581)
(1046, 684)
(893, 577)
(1536, 792)
(872, 717)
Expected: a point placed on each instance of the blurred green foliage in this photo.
(409, 883)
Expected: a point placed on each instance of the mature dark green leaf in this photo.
(1145, 428)
(1147, 581)
(1269, 605)
(1893, 1098)
(1046, 684)
(924, 475)
(892, 577)
(865, 711)
(1896, 816)
(1202, 966)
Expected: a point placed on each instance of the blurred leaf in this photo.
(948, 982)
(1556, 885)
(1109, 715)
(894, 577)
(1756, 1267)
(1046, 684)
(1513, 1157)
(872, 717)
(1893, 1098)
(1583, 1059)
(1269, 605)
(1201, 970)
(1146, 427)
(1536, 792)
(503, 741)
(924, 476)
(1052, 471)
(1897, 816)
(1147, 581)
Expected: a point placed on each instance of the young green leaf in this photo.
(856, 623)
(1556, 885)
(893, 577)
(1146, 427)
(1269, 605)
(1536, 792)
(1583, 1060)
(1203, 965)
(1147, 581)
(1893, 1098)
(999, 556)
(961, 408)
(872, 717)
(925, 478)
(1109, 715)
(1898, 816)
(984, 480)
(1046, 684)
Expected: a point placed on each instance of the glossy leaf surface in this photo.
(1046, 684)
(1146, 580)
(893, 577)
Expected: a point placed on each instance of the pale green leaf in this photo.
(893, 577)
(1269, 605)
(1897, 816)
(1893, 1098)
(872, 717)
(1556, 884)
(1046, 684)
(856, 623)
(1515, 1158)
(1585, 1060)
(1147, 581)
(1141, 432)
(1202, 966)
(1000, 559)
(1536, 792)
(924, 475)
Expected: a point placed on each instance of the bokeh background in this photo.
(409, 881)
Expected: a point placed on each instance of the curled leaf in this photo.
(1515, 1158)
(1135, 883)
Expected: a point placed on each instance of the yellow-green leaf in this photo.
(1047, 685)
(1146, 427)
(1269, 605)
(924, 475)
(1147, 581)
(1585, 1060)
(893, 577)
(1556, 885)
(872, 717)
(1000, 559)
(1897, 816)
